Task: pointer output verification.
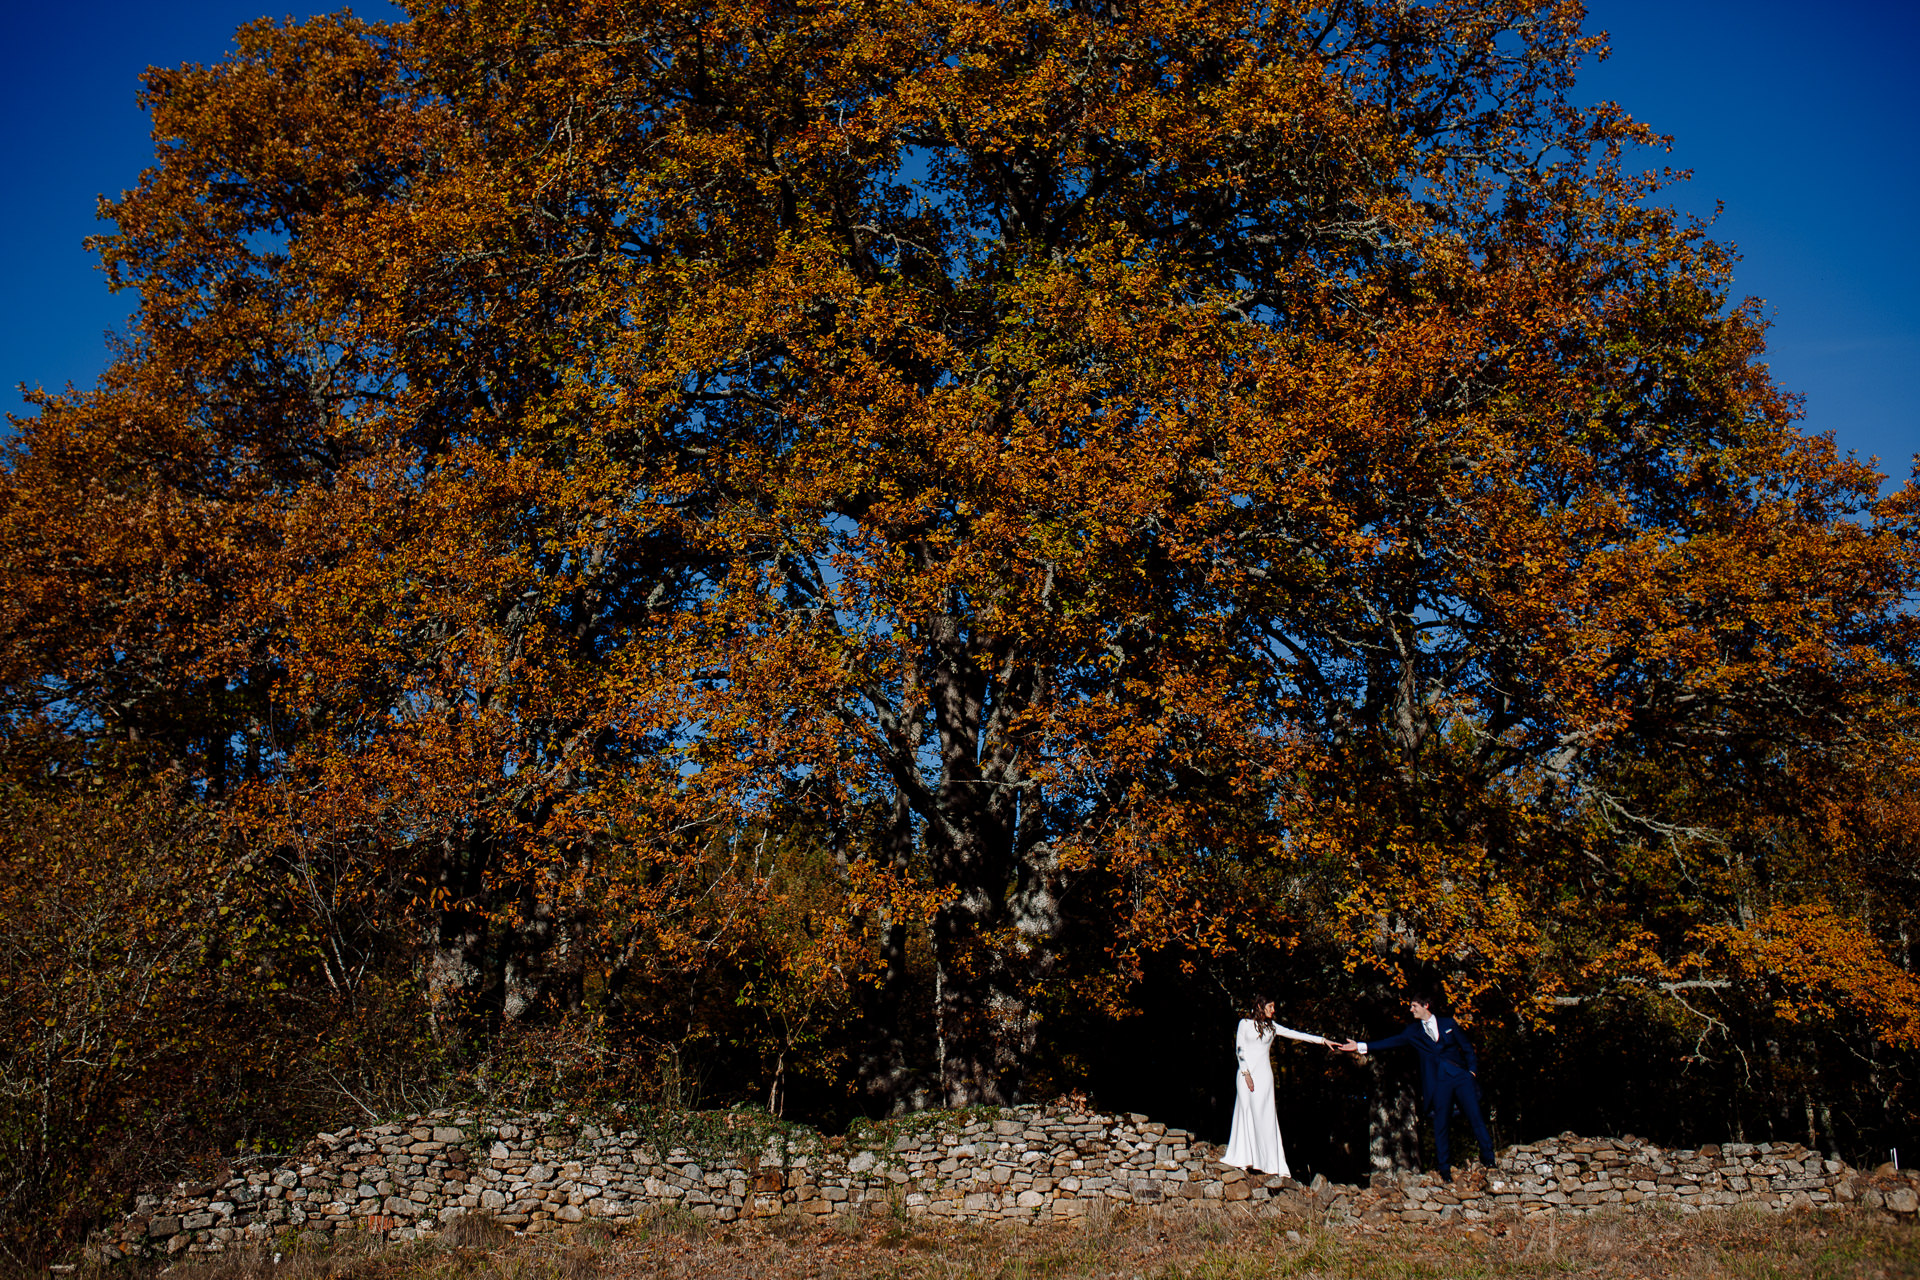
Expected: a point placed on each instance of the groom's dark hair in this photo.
(1419, 997)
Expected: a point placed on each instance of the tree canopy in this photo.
(904, 518)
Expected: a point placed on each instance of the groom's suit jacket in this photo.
(1449, 1058)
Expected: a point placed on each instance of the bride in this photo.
(1255, 1142)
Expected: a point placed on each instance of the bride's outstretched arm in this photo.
(1291, 1034)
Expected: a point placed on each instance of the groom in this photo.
(1447, 1070)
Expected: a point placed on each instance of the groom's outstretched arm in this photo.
(1394, 1041)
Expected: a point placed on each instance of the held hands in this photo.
(1348, 1046)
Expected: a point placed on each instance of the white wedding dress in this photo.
(1255, 1141)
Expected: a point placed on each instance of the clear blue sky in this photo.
(1804, 119)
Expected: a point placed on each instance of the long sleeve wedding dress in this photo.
(1255, 1140)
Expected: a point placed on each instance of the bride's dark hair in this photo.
(1259, 1012)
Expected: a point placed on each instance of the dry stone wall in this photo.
(544, 1172)
(1570, 1174)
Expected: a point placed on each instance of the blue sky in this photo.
(1800, 118)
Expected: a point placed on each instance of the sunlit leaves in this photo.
(1176, 476)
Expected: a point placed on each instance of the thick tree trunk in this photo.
(985, 1025)
(480, 973)
(886, 1066)
(1393, 1121)
(990, 945)
(962, 819)
(988, 941)
(983, 1015)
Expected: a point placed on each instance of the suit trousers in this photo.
(1458, 1091)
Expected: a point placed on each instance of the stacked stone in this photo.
(536, 1173)
(1892, 1192)
(1045, 1164)
(351, 1179)
(542, 1172)
(1568, 1173)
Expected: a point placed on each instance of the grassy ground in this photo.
(1738, 1245)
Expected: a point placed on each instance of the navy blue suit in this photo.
(1447, 1069)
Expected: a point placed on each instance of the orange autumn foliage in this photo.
(1125, 479)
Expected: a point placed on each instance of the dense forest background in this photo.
(855, 557)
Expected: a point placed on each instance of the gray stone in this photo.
(1043, 1164)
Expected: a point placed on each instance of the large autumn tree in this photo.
(1118, 478)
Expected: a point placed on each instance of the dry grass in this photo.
(1126, 1246)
